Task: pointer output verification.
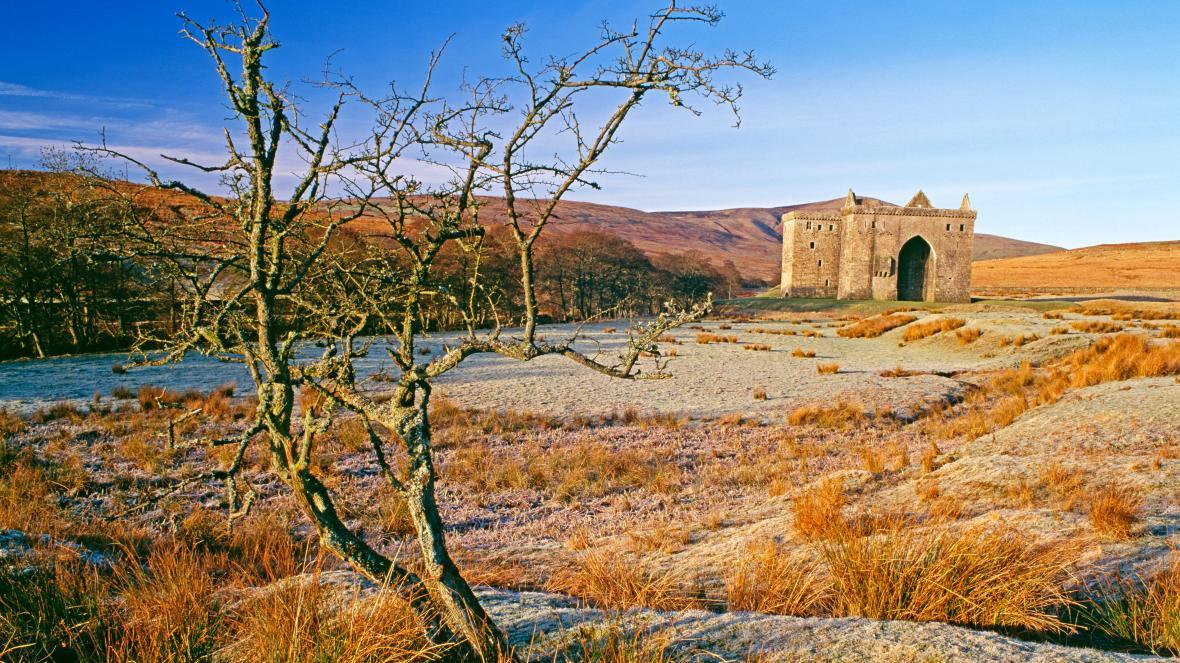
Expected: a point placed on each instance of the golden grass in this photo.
(875, 326)
(1145, 611)
(968, 336)
(612, 581)
(842, 415)
(929, 328)
(819, 511)
(977, 576)
(619, 643)
(766, 578)
(305, 620)
(757, 347)
(1120, 310)
(1114, 511)
(760, 393)
(777, 332)
(800, 352)
(1009, 393)
(588, 468)
(1096, 326)
(830, 368)
(1170, 331)
(705, 338)
(10, 424)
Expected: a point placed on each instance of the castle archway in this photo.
(913, 269)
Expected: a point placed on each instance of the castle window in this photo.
(813, 245)
(948, 226)
(962, 227)
(821, 263)
(831, 226)
(809, 226)
(825, 283)
(874, 224)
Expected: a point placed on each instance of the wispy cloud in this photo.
(8, 89)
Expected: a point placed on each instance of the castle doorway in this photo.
(913, 265)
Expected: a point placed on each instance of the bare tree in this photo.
(267, 276)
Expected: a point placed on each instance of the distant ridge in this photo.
(749, 236)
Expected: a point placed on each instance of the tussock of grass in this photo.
(612, 581)
(705, 338)
(1114, 511)
(875, 326)
(830, 368)
(968, 336)
(1145, 611)
(819, 512)
(1096, 326)
(978, 577)
(842, 415)
(923, 330)
(800, 352)
(766, 578)
(758, 347)
(777, 332)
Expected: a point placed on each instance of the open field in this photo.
(1028, 456)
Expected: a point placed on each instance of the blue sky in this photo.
(1060, 118)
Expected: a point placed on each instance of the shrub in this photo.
(929, 328)
(758, 347)
(800, 352)
(827, 369)
(896, 372)
(705, 338)
(760, 393)
(875, 326)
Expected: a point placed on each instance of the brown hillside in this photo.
(749, 236)
(1142, 265)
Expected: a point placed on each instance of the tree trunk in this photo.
(452, 595)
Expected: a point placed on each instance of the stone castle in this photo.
(873, 250)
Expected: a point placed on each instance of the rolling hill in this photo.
(749, 236)
(1149, 265)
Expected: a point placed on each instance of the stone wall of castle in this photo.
(856, 253)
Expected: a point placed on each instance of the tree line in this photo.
(72, 281)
